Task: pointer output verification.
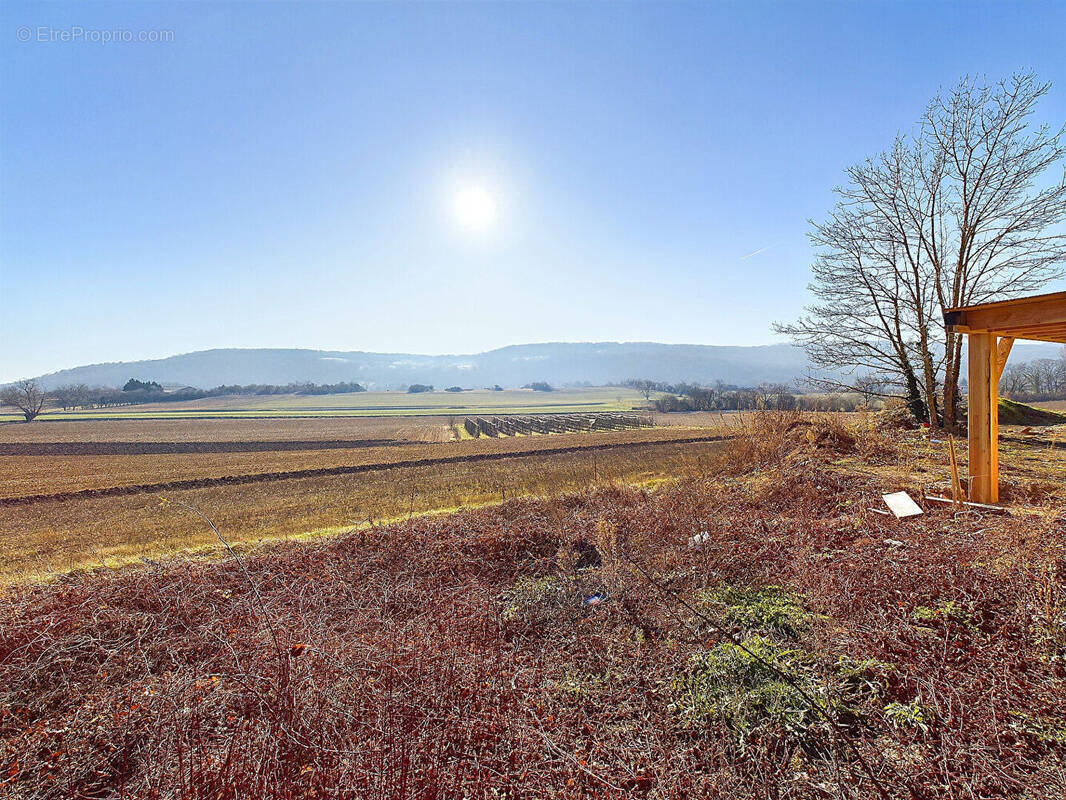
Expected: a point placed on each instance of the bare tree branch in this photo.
(951, 215)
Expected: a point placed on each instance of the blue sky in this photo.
(282, 175)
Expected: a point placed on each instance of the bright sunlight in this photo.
(474, 208)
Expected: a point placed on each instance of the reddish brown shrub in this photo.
(398, 670)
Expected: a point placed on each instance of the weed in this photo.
(945, 611)
(741, 685)
(864, 677)
(578, 684)
(906, 716)
(767, 608)
(1046, 729)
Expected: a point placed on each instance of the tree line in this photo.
(1042, 379)
(30, 399)
(668, 397)
(137, 392)
(1028, 381)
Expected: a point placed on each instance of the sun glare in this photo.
(475, 208)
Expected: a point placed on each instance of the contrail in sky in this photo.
(755, 253)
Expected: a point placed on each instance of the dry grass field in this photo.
(381, 468)
(363, 404)
(85, 467)
(475, 401)
(416, 429)
(41, 537)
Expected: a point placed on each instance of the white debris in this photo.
(699, 539)
(901, 504)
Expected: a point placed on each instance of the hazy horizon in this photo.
(448, 178)
(557, 363)
(401, 352)
(563, 363)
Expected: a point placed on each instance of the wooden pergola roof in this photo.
(1041, 317)
(991, 329)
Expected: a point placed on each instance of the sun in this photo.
(474, 208)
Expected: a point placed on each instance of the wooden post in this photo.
(983, 418)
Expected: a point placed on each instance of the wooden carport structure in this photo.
(991, 329)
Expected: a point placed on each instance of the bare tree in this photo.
(1014, 380)
(949, 216)
(870, 386)
(1043, 375)
(645, 387)
(26, 396)
(862, 319)
(1042, 379)
(992, 238)
(65, 396)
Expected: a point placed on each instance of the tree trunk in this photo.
(952, 369)
(913, 397)
(929, 384)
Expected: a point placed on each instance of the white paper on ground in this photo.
(901, 504)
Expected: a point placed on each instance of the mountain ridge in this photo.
(560, 363)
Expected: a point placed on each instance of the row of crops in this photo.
(528, 424)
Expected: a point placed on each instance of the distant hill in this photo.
(557, 363)
(517, 365)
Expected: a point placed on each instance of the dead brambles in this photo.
(460, 656)
(773, 438)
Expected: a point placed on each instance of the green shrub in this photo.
(759, 685)
(945, 611)
(766, 608)
(741, 687)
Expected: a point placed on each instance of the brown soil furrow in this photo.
(257, 477)
(164, 448)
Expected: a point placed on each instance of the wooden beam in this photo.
(1049, 328)
(1030, 313)
(983, 419)
(1054, 338)
(1002, 351)
(1046, 333)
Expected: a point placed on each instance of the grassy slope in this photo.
(1012, 413)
